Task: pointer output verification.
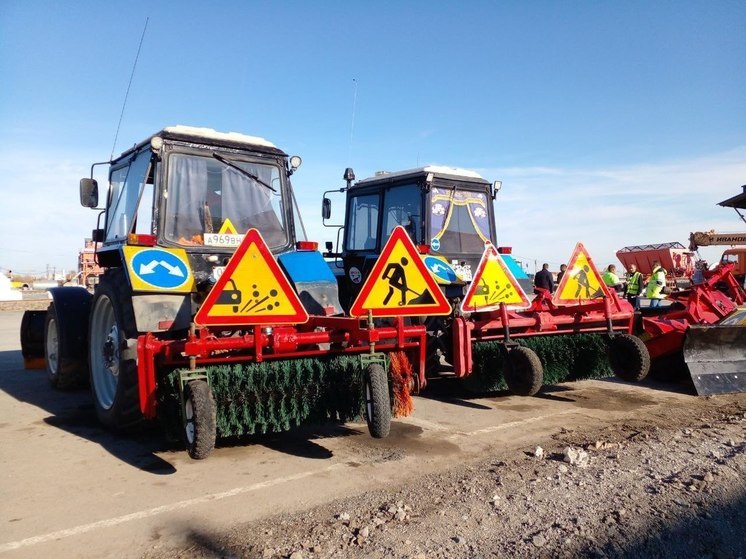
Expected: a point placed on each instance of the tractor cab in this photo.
(447, 212)
(198, 190)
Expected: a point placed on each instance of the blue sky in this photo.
(611, 123)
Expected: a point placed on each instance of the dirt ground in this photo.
(667, 484)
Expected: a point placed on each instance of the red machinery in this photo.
(704, 331)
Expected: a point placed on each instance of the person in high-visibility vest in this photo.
(634, 286)
(611, 279)
(656, 283)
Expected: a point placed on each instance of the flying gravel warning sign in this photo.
(253, 290)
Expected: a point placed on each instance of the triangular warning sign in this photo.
(493, 284)
(252, 290)
(581, 281)
(227, 228)
(400, 284)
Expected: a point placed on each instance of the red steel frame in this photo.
(700, 304)
(542, 318)
(261, 343)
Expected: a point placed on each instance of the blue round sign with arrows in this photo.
(160, 268)
(440, 268)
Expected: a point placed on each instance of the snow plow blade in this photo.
(716, 358)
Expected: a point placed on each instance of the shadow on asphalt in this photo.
(72, 411)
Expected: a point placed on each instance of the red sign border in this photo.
(255, 237)
(440, 307)
(579, 247)
(490, 249)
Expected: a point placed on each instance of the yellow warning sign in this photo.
(252, 290)
(400, 284)
(581, 281)
(493, 284)
(227, 228)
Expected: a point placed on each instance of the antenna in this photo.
(352, 123)
(132, 75)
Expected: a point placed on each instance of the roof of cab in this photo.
(437, 170)
(208, 136)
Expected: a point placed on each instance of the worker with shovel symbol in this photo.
(394, 274)
(582, 279)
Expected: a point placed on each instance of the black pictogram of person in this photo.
(397, 279)
(394, 273)
(582, 279)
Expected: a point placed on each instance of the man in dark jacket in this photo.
(543, 279)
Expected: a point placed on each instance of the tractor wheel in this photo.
(62, 371)
(112, 353)
(199, 419)
(524, 373)
(629, 358)
(377, 402)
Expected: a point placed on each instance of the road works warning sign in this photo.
(252, 290)
(581, 280)
(493, 284)
(399, 283)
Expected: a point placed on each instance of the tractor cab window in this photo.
(125, 189)
(362, 227)
(459, 219)
(402, 205)
(222, 197)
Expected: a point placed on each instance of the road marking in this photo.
(109, 522)
(517, 423)
(426, 424)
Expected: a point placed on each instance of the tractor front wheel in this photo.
(629, 358)
(377, 401)
(112, 355)
(199, 419)
(524, 373)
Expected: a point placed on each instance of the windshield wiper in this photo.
(241, 170)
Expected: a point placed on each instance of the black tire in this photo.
(629, 358)
(62, 370)
(377, 401)
(112, 354)
(199, 419)
(524, 373)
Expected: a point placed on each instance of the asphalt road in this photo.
(71, 489)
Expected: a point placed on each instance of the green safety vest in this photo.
(610, 278)
(634, 284)
(656, 284)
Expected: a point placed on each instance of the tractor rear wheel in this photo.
(199, 419)
(524, 373)
(629, 358)
(62, 371)
(377, 401)
(112, 354)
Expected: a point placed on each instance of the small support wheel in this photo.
(524, 373)
(629, 358)
(199, 419)
(377, 401)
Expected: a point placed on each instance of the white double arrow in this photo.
(437, 267)
(150, 268)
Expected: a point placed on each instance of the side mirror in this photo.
(88, 193)
(326, 208)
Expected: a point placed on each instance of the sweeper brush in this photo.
(564, 358)
(276, 396)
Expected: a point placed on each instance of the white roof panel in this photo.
(209, 133)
